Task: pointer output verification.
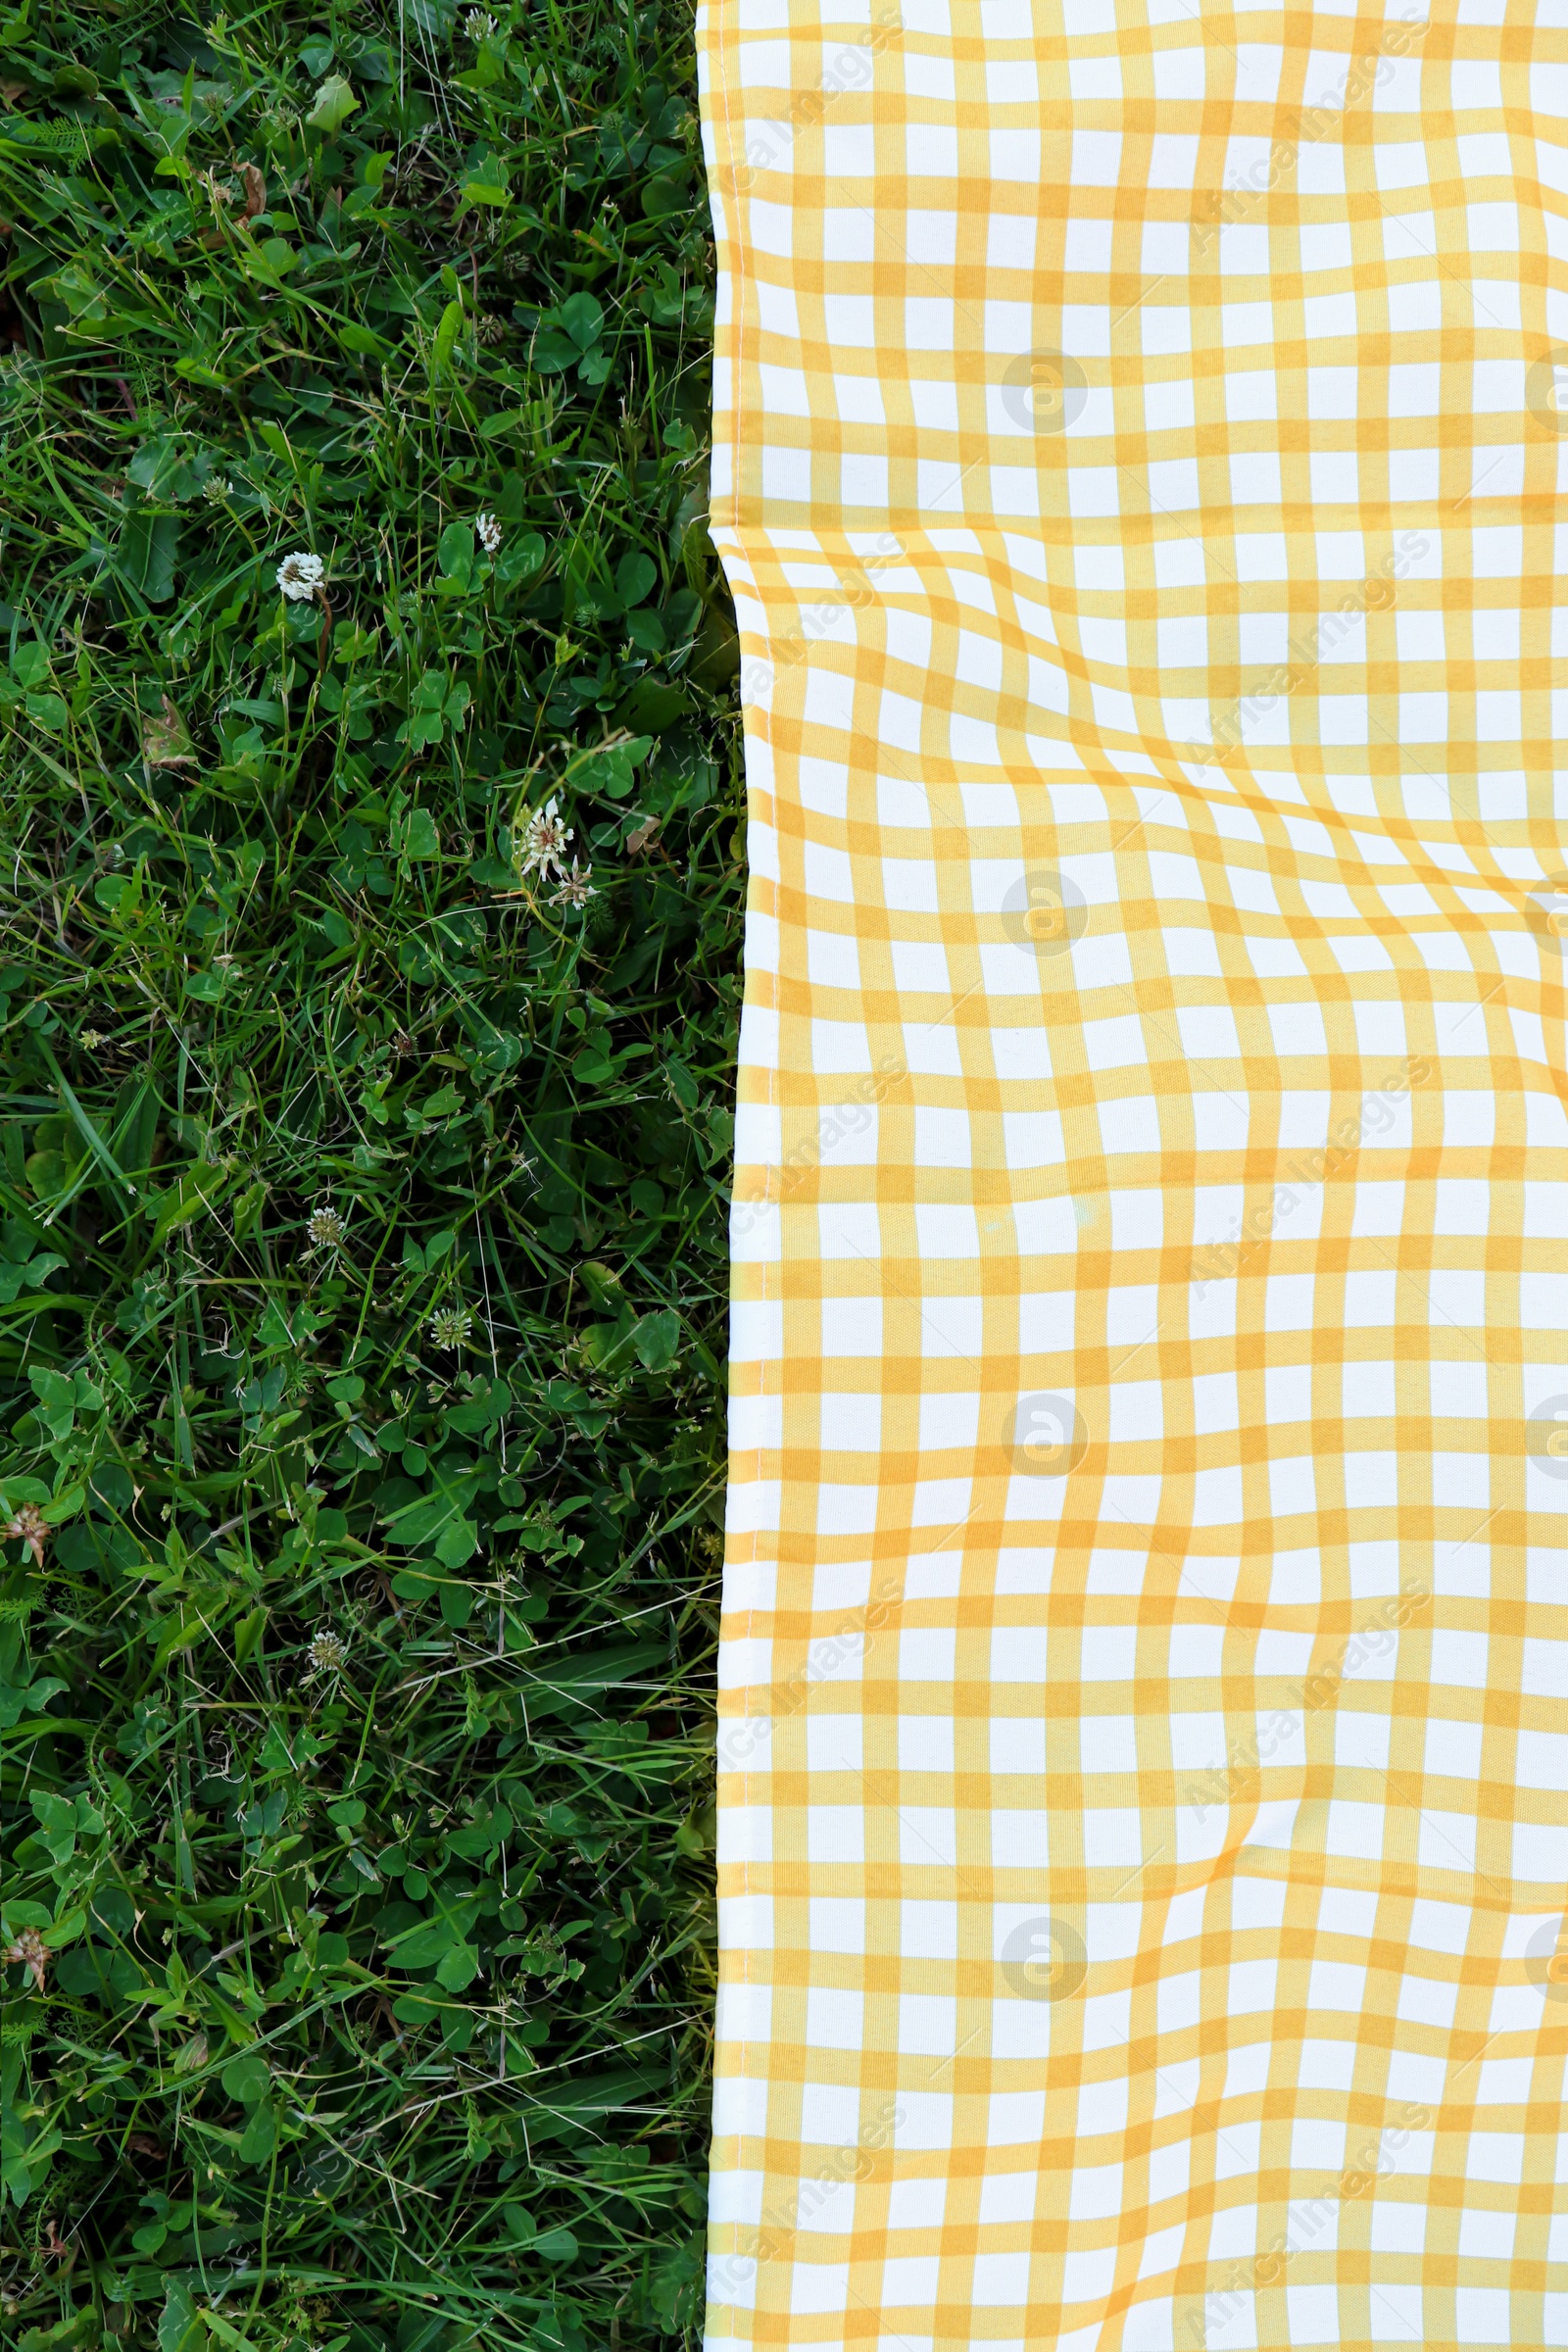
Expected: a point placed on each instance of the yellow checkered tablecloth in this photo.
(1140, 431)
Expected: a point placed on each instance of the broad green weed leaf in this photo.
(445, 337)
(582, 319)
(335, 101)
(454, 553)
(248, 2078)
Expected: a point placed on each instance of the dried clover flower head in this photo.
(29, 1951)
(28, 1526)
(575, 887)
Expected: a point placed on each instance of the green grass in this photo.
(361, 1257)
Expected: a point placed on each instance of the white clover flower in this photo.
(489, 531)
(299, 576)
(326, 1228)
(575, 887)
(327, 1653)
(217, 488)
(478, 23)
(450, 1325)
(544, 841)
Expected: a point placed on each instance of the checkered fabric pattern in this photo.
(1140, 447)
